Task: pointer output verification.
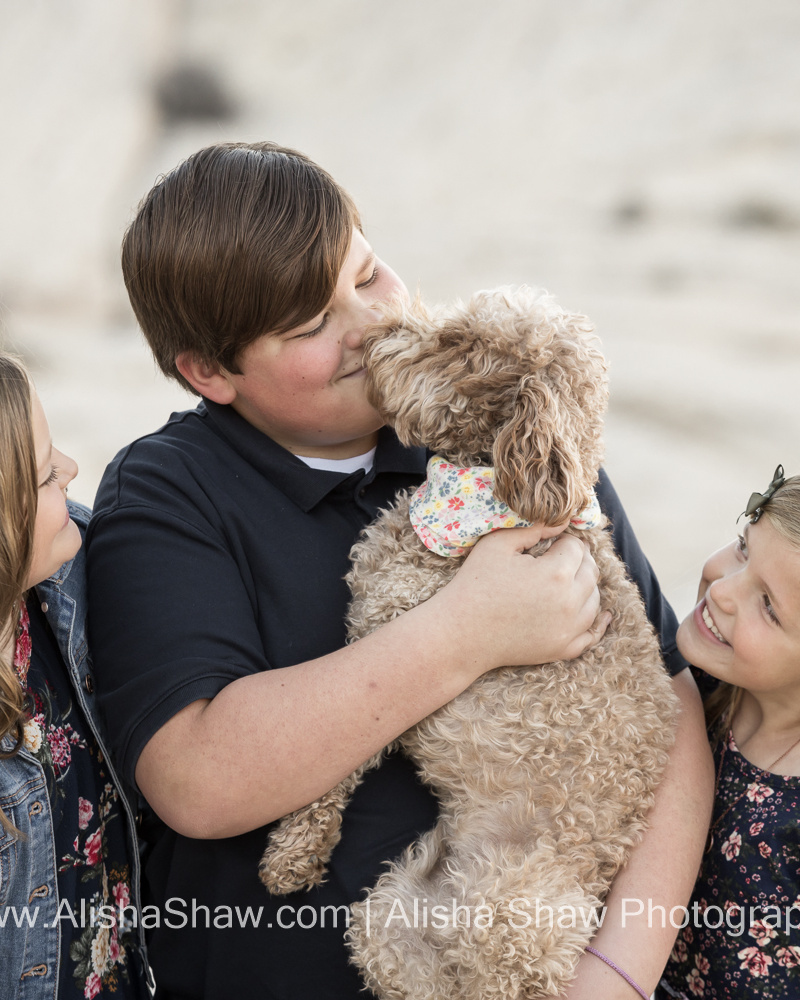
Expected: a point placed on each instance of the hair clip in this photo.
(755, 505)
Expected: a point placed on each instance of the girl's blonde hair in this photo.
(782, 511)
(18, 499)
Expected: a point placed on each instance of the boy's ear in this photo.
(209, 380)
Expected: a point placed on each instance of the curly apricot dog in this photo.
(544, 774)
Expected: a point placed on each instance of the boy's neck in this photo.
(346, 449)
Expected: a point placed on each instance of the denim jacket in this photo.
(29, 955)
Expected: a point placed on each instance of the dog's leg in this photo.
(496, 923)
(538, 921)
(387, 934)
(300, 846)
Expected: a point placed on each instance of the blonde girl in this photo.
(65, 844)
(741, 938)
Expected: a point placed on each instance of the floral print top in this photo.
(91, 856)
(742, 938)
(455, 506)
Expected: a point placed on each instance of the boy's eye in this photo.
(51, 478)
(371, 279)
(315, 331)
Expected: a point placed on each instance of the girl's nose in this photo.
(68, 469)
(719, 564)
(722, 592)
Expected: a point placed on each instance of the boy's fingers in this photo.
(588, 565)
(522, 538)
(590, 637)
(550, 531)
(574, 548)
(526, 538)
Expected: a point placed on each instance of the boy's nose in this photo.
(362, 318)
(354, 337)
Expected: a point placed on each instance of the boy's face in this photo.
(306, 388)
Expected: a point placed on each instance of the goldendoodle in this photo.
(544, 774)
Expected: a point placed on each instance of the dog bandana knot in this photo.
(454, 507)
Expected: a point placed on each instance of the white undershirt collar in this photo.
(364, 462)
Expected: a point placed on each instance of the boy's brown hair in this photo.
(239, 240)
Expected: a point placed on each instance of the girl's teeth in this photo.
(710, 623)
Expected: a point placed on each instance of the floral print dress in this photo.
(91, 855)
(742, 938)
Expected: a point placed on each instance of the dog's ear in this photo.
(537, 456)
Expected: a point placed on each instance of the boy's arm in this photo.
(302, 728)
(639, 928)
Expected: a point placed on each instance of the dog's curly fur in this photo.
(544, 774)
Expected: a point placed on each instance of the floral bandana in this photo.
(454, 507)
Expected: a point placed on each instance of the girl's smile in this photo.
(706, 626)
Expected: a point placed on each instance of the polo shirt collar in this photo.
(305, 486)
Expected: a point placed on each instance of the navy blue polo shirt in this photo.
(214, 553)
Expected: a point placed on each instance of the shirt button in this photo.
(45, 606)
(362, 492)
(89, 684)
(37, 970)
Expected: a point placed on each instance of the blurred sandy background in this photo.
(639, 159)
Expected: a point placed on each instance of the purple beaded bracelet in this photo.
(616, 968)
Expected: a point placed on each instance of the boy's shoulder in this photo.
(172, 452)
(182, 426)
(195, 468)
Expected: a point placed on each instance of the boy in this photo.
(216, 558)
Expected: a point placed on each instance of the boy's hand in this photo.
(519, 610)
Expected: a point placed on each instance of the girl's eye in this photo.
(742, 545)
(52, 478)
(371, 279)
(769, 610)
